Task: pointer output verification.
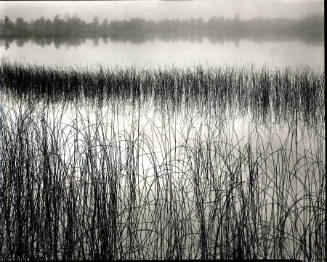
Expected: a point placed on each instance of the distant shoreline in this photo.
(310, 29)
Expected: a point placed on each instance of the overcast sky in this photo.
(155, 9)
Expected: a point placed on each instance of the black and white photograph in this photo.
(162, 130)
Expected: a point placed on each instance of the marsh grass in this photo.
(92, 187)
(266, 94)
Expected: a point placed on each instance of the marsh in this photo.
(163, 146)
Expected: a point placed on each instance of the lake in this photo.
(160, 53)
(178, 143)
(142, 51)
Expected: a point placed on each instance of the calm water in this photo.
(166, 141)
(284, 148)
(159, 52)
(92, 52)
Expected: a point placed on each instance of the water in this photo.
(174, 148)
(284, 50)
(169, 150)
(160, 53)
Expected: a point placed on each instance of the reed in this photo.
(267, 94)
(81, 183)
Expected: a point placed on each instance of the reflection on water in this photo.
(157, 52)
(168, 179)
(137, 30)
(148, 43)
(141, 39)
(179, 175)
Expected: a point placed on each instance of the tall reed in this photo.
(269, 95)
(88, 190)
(89, 173)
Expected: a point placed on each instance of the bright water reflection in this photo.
(196, 157)
(185, 163)
(159, 53)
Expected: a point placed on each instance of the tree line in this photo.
(311, 27)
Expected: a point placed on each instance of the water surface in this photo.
(181, 53)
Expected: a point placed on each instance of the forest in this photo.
(310, 28)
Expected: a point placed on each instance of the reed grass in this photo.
(267, 94)
(87, 189)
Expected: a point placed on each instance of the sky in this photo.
(157, 10)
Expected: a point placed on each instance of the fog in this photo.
(162, 130)
(149, 33)
(158, 10)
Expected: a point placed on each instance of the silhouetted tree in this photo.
(95, 23)
(21, 25)
(8, 25)
(138, 30)
(105, 25)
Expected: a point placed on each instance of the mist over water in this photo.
(158, 10)
(214, 33)
(172, 129)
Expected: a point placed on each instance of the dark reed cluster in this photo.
(267, 94)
